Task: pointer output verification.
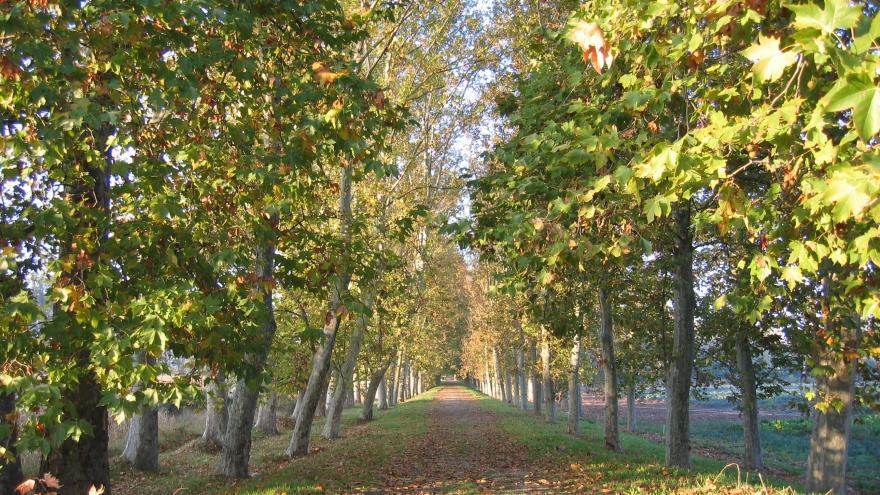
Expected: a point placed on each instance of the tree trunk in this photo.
(499, 378)
(395, 378)
(321, 407)
(549, 394)
(829, 442)
(383, 393)
(216, 413)
(334, 414)
(748, 389)
(298, 404)
(631, 425)
(82, 464)
(267, 419)
(299, 440)
(10, 470)
(376, 380)
(236, 451)
(609, 367)
(537, 388)
(507, 388)
(678, 444)
(574, 388)
(142, 444)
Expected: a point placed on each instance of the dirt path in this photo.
(463, 450)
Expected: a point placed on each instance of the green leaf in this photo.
(861, 95)
(836, 14)
(769, 61)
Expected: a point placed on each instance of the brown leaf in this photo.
(591, 39)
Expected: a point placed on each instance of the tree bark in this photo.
(537, 388)
(574, 388)
(748, 389)
(508, 392)
(267, 419)
(631, 425)
(376, 380)
(216, 413)
(334, 413)
(678, 445)
(142, 443)
(829, 442)
(10, 471)
(609, 366)
(548, 393)
(299, 403)
(523, 397)
(82, 464)
(499, 378)
(383, 393)
(236, 451)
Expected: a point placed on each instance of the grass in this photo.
(785, 443)
(333, 466)
(637, 469)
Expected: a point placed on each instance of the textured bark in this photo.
(548, 393)
(10, 471)
(346, 373)
(499, 378)
(267, 419)
(678, 444)
(299, 403)
(318, 377)
(829, 442)
(84, 463)
(748, 389)
(142, 444)
(376, 380)
(631, 425)
(574, 387)
(537, 388)
(216, 413)
(514, 380)
(523, 397)
(321, 407)
(508, 392)
(609, 367)
(236, 451)
(383, 393)
(395, 383)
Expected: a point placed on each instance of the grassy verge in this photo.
(334, 466)
(587, 466)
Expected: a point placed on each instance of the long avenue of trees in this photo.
(238, 205)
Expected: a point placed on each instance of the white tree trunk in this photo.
(549, 394)
(267, 418)
(574, 388)
(609, 366)
(216, 413)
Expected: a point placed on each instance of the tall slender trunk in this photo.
(549, 394)
(829, 442)
(298, 405)
(299, 440)
(678, 444)
(346, 373)
(216, 413)
(537, 389)
(499, 375)
(383, 393)
(523, 397)
(236, 451)
(574, 388)
(10, 470)
(142, 443)
(747, 385)
(267, 419)
(376, 380)
(631, 425)
(508, 392)
(609, 366)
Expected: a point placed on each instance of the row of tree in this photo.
(199, 194)
(693, 184)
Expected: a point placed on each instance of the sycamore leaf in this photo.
(590, 38)
(769, 61)
(836, 14)
(860, 94)
(847, 191)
